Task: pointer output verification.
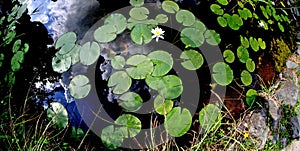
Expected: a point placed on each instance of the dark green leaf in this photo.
(251, 96)
(17, 45)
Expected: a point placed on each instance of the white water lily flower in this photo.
(261, 24)
(157, 33)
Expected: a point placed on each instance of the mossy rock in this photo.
(280, 52)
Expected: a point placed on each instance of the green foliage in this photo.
(130, 101)
(192, 37)
(223, 2)
(242, 54)
(215, 8)
(136, 2)
(212, 37)
(105, 33)
(118, 62)
(161, 18)
(228, 56)
(178, 121)
(185, 17)
(120, 81)
(170, 6)
(222, 73)
(130, 125)
(140, 66)
(118, 21)
(193, 60)
(162, 61)
(89, 53)
(246, 78)
(141, 34)
(112, 137)
(79, 86)
(139, 13)
(208, 116)
(250, 65)
(251, 95)
(162, 106)
(58, 115)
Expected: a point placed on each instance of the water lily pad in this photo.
(254, 44)
(222, 73)
(215, 8)
(193, 60)
(246, 78)
(136, 3)
(58, 115)
(178, 121)
(117, 20)
(244, 41)
(209, 116)
(61, 64)
(261, 43)
(67, 38)
(131, 125)
(200, 26)
(21, 10)
(185, 17)
(150, 22)
(169, 86)
(74, 54)
(89, 53)
(162, 61)
(212, 37)
(120, 81)
(243, 14)
(141, 66)
(228, 56)
(79, 87)
(139, 13)
(17, 45)
(234, 21)
(162, 106)
(161, 18)
(105, 33)
(170, 6)
(111, 137)
(242, 54)
(223, 2)
(192, 37)
(222, 21)
(25, 48)
(130, 101)
(118, 62)
(251, 96)
(141, 34)
(16, 60)
(250, 65)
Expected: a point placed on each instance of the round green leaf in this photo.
(61, 64)
(105, 33)
(58, 115)
(111, 137)
(212, 37)
(199, 25)
(250, 65)
(120, 81)
(222, 73)
(254, 44)
(237, 19)
(141, 34)
(244, 41)
(185, 17)
(178, 121)
(222, 21)
(243, 14)
(246, 78)
(74, 54)
(215, 8)
(67, 48)
(136, 3)
(16, 60)
(89, 53)
(132, 22)
(223, 2)
(139, 13)
(118, 21)
(65, 39)
(251, 96)
(79, 87)
(209, 116)
(193, 60)
(234, 21)
(16, 46)
(228, 56)
(192, 37)
(130, 101)
(169, 86)
(170, 6)
(249, 13)
(141, 66)
(162, 61)
(242, 54)
(162, 106)
(131, 125)
(261, 43)
(161, 18)
(118, 62)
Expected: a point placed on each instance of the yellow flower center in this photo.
(157, 32)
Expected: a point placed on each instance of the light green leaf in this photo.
(222, 73)
(162, 61)
(261, 43)
(178, 121)
(141, 66)
(280, 27)
(222, 21)
(130, 101)
(139, 13)
(161, 18)
(25, 48)
(254, 44)
(242, 54)
(228, 56)
(61, 64)
(89, 53)
(118, 21)
(58, 115)
(212, 37)
(215, 8)
(141, 34)
(120, 81)
(105, 33)
(192, 37)
(162, 106)
(68, 38)
(118, 62)
(223, 2)
(193, 60)
(111, 137)
(136, 3)
(17, 45)
(200, 26)
(244, 41)
(16, 60)
(79, 87)
(246, 78)
(169, 86)
(250, 65)
(209, 116)
(185, 17)
(131, 125)
(170, 6)
(21, 10)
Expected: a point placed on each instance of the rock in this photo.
(295, 126)
(294, 146)
(288, 93)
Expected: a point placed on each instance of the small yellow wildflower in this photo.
(246, 135)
